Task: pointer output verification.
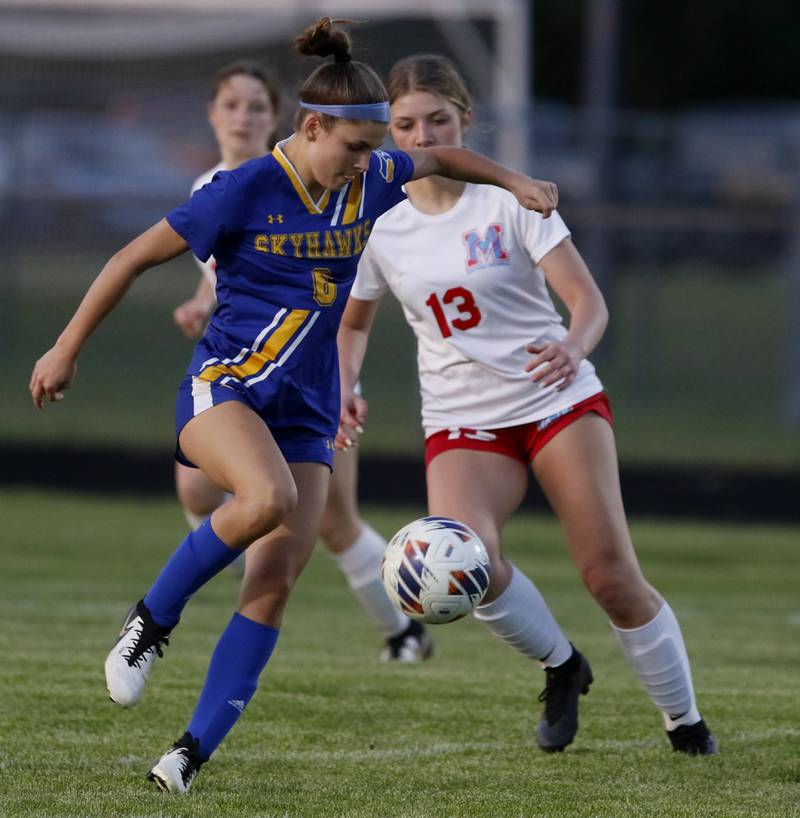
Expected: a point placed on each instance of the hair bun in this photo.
(323, 38)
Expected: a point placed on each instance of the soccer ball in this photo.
(435, 570)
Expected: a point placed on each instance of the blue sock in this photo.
(241, 654)
(199, 557)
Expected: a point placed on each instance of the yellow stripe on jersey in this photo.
(269, 352)
(353, 200)
(297, 183)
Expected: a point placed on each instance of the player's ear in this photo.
(466, 119)
(311, 127)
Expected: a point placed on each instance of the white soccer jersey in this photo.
(208, 268)
(472, 292)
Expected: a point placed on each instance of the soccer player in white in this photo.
(243, 113)
(506, 386)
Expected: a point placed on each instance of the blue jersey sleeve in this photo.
(213, 214)
(388, 172)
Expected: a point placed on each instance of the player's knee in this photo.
(199, 503)
(338, 532)
(259, 515)
(200, 497)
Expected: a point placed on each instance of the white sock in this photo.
(521, 618)
(361, 564)
(658, 656)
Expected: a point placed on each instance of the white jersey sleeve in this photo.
(207, 268)
(540, 235)
(370, 283)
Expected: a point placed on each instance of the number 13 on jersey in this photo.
(464, 301)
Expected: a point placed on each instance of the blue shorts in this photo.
(298, 443)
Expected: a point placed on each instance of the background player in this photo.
(505, 385)
(243, 113)
(259, 406)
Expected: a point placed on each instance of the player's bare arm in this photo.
(567, 273)
(55, 370)
(352, 341)
(467, 166)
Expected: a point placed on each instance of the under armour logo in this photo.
(272, 219)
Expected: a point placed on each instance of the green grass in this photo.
(332, 732)
(694, 362)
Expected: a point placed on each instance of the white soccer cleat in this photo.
(178, 767)
(129, 663)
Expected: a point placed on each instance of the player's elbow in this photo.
(601, 311)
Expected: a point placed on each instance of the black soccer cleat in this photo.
(178, 767)
(414, 644)
(565, 683)
(693, 739)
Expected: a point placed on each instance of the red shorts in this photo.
(520, 442)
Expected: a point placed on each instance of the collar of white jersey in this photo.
(297, 183)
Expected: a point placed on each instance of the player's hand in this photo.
(52, 374)
(352, 416)
(554, 362)
(534, 194)
(191, 317)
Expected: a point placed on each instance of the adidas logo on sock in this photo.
(237, 703)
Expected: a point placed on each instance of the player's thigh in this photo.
(482, 489)
(578, 472)
(196, 491)
(235, 449)
(275, 561)
(341, 524)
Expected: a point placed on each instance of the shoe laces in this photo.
(189, 749)
(556, 692)
(149, 637)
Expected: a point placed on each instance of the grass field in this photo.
(332, 732)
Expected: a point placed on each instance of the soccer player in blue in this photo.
(258, 409)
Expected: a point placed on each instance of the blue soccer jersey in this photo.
(285, 266)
